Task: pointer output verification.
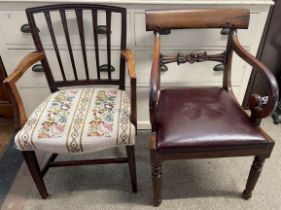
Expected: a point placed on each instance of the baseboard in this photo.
(144, 125)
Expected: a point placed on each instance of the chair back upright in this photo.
(81, 45)
(227, 19)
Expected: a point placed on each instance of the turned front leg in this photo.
(156, 177)
(253, 176)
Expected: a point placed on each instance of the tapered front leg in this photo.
(33, 166)
(156, 177)
(132, 166)
(253, 176)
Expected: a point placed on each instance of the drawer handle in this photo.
(219, 67)
(25, 28)
(163, 68)
(225, 31)
(101, 29)
(104, 68)
(37, 68)
(165, 32)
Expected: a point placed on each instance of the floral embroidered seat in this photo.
(79, 120)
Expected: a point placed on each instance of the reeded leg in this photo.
(32, 164)
(132, 166)
(156, 177)
(253, 176)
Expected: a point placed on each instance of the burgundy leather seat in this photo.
(206, 122)
(203, 117)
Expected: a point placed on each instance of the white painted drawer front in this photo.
(187, 74)
(32, 97)
(194, 38)
(11, 21)
(37, 79)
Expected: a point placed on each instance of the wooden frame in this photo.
(6, 108)
(39, 55)
(199, 18)
(238, 19)
(78, 8)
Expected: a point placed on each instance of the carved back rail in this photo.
(103, 74)
(229, 20)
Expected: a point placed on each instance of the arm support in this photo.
(10, 86)
(129, 55)
(258, 109)
(154, 94)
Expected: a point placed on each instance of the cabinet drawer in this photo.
(11, 22)
(187, 74)
(192, 37)
(32, 97)
(38, 79)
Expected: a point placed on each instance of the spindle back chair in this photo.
(106, 29)
(76, 120)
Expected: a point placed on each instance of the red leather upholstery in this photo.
(191, 117)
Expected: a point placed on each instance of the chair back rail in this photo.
(199, 18)
(231, 19)
(78, 10)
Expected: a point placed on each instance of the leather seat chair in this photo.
(206, 122)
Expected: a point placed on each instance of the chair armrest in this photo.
(129, 56)
(154, 94)
(259, 108)
(10, 86)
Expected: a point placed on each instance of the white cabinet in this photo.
(14, 45)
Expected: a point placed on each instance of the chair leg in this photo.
(132, 166)
(33, 166)
(253, 176)
(156, 177)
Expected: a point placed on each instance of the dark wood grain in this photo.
(55, 84)
(228, 64)
(209, 18)
(132, 167)
(198, 18)
(69, 47)
(154, 93)
(6, 108)
(96, 40)
(253, 176)
(79, 16)
(258, 109)
(33, 166)
(52, 33)
(108, 42)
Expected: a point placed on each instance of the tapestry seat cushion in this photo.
(79, 121)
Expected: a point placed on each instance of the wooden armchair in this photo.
(206, 122)
(77, 120)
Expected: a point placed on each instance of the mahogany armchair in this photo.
(77, 120)
(206, 122)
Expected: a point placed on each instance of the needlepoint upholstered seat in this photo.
(77, 121)
(206, 122)
(88, 109)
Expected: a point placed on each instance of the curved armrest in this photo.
(10, 85)
(154, 94)
(129, 55)
(258, 107)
